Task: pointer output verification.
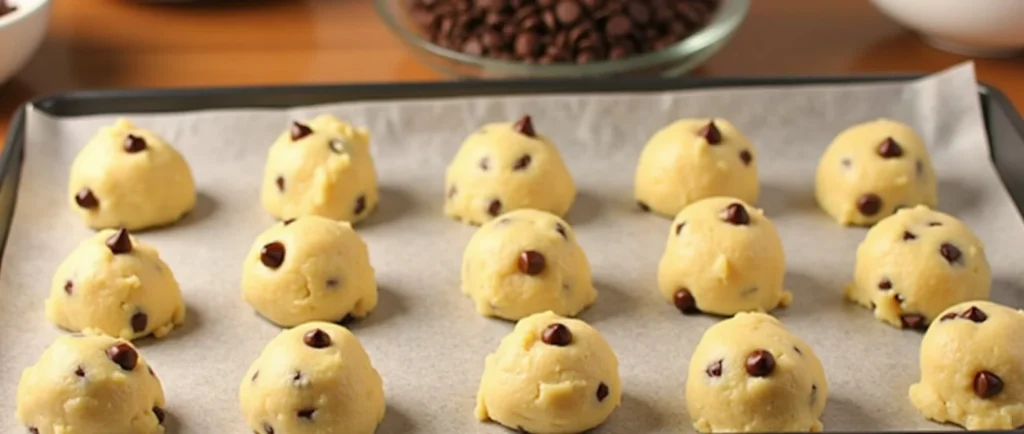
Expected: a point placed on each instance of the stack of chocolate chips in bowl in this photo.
(559, 31)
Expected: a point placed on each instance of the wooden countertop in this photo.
(125, 44)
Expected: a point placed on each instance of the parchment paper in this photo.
(425, 337)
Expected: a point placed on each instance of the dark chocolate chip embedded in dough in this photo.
(523, 162)
(124, 356)
(975, 314)
(711, 133)
(267, 429)
(280, 183)
(987, 384)
(890, 149)
(746, 157)
(913, 321)
(160, 415)
(679, 227)
(885, 285)
(360, 205)
(332, 282)
(133, 144)
(735, 214)
(79, 371)
(33, 430)
(869, 204)
(684, 301)
(317, 338)
(760, 363)
(306, 413)
(485, 164)
(297, 378)
(86, 199)
(69, 287)
(948, 316)
(714, 369)
(908, 236)
(950, 252)
(289, 221)
(557, 334)
(298, 131)
(139, 322)
(525, 125)
(531, 262)
(120, 243)
(643, 206)
(494, 208)
(602, 392)
(272, 255)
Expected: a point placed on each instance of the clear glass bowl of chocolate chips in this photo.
(563, 38)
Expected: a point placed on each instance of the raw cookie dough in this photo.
(503, 167)
(915, 264)
(309, 269)
(323, 168)
(872, 169)
(723, 256)
(116, 285)
(972, 368)
(91, 384)
(129, 177)
(550, 375)
(693, 159)
(313, 379)
(750, 374)
(526, 262)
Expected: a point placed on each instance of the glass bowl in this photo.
(673, 60)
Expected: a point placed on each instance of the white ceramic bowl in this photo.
(972, 27)
(21, 33)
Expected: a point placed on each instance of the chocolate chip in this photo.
(289, 221)
(950, 252)
(908, 236)
(160, 415)
(561, 230)
(760, 363)
(139, 322)
(299, 131)
(317, 338)
(337, 146)
(974, 314)
(360, 205)
(69, 287)
(602, 392)
(869, 204)
(890, 149)
(267, 428)
(885, 285)
(133, 144)
(272, 255)
(297, 378)
(643, 206)
(280, 183)
(332, 283)
(711, 133)
(987, 384)
(120, 243)
(124, 356)
(85, 199)
(714, 369)
(556, 334)
(913, 321)
(618, 26)
(948, 316)
(525, 127)
(685, 302)
(735, 214)
(485, 164)
(522, 163)
(306, 413)
(494, 208)
(79, 371)
(746, 157)
(679, 227)
(531, 262)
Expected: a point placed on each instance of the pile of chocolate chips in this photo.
(559, 31)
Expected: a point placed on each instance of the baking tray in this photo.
(1004, 126)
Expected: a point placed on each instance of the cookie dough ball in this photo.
(324, 168)
(309, 269)
(693, 159)
(503, 167)
(114, 284)
(313, 379)
(749, 374)
(90, 384)
(972, 368)
(723, 256)
(550, 375)
(526, 262)
(129, 177)
(915, 264)
(872, 169)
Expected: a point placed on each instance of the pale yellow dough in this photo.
(329, 172)
(902, 272)
(542, 388)
(325, 274)
(127, 295)
(499, 169)
(297, 388)
(853, 169)
(680, 166)
(955, 350)
(135, 190)
(726, 268)
(77, 388)
(723, 395)
(493, 276)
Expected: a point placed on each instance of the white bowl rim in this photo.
(25, 9)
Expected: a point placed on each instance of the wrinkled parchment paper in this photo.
(425, 338)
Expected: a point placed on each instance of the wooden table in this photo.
(121, 43)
